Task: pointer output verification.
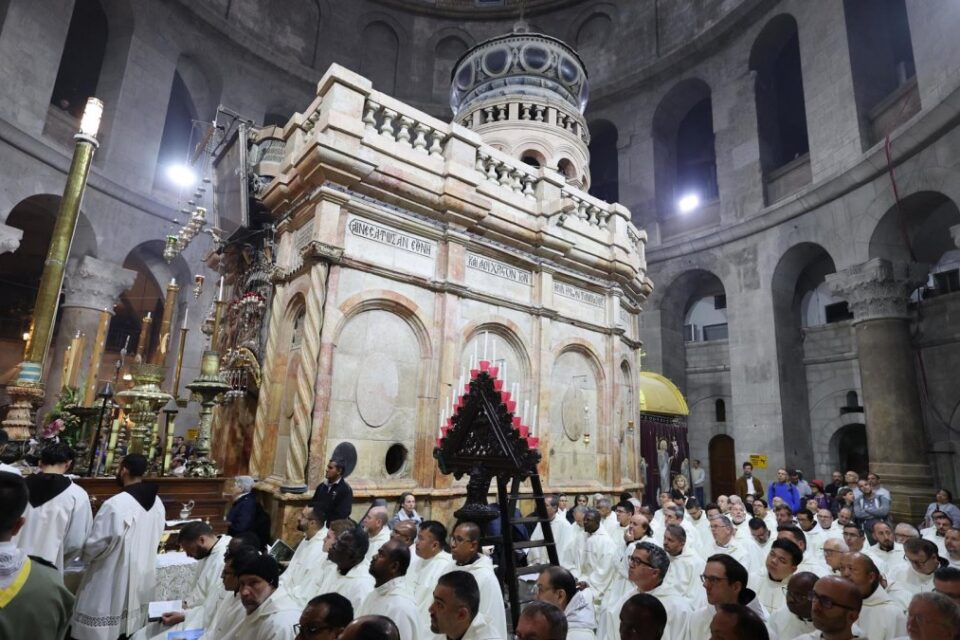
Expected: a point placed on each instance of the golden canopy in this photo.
(659, 395)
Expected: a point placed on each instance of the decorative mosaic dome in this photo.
(519, 64)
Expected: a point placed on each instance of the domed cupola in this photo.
(525, 93)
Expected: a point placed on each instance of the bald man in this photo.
(465, 551)
(835, 608)
(882, 617)
(375, 524)
(405, 531)
(795, 619)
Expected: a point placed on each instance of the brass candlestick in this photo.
(206, 388)
(143, 402)
(165, 332)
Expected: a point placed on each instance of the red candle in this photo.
(511, 405)
(493, 371)
(439, 442)
(524, 431)
(484, 365)
(533, 443)
(497, 385)
(474, 373)
(516, 421)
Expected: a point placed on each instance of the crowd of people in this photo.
(786, 561)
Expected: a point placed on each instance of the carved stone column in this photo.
(10, 238)
(877, 292)
(302, 425)
(90, 287)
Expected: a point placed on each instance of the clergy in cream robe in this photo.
(299, 578)
(422, 577)
(120, 555)
(779, 567)
(394, 600)
(491, 595)
(228, 615)
(206, 593)
(686, 565)
(563, 533)
(375, 524)
(882, 617)
(786, 624)
(272, 620)
(697, 623)
(353, 585)
(58, 519)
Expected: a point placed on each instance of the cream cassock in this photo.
(121, 557)
(394, 600)
(58, 520)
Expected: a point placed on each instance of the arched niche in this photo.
(604, 161)
(505, 350)
(283, 391)
(375, 394)
(379, 56)
(626, 414)
(445, 55)
(798, 288)
(575, 416)
(685, 161)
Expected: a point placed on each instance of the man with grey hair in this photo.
(723, 542)
(931, 616)
(243, 512)
(608, 519)
(649, 566)
(833, 550)
(375, 524)
(904, 531)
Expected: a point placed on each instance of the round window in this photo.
(396, 459)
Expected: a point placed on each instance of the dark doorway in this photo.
(723, 466)
(852, 449)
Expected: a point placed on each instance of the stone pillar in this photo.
(90, 287)
(10, 238)
(877, 292)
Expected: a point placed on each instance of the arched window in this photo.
(881, 63)
(82, 58)
(720, 409)
(604, 161)
(685, 161)
(781, 111)
(852, 399)
(445, 56)
(177, 135)
(378, 62)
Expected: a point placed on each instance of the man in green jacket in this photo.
(33, 599)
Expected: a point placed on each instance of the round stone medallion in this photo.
(571, 413)
(378, 385)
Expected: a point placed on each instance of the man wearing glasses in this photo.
(881, 617)
(835, 606)
(648, 569)
(557, 586)
(725, 582)
(916, 574)
(324, 618)
(465, 550)
(795, 619)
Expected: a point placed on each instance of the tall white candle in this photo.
(186, 312)
(534, 420)
(220, 292)
(476, 346)
(494, 358)
(515, 392)
(503, 372)
(486, 339)
(526, 407)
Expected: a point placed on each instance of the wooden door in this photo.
(723, 466)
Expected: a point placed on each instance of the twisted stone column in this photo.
(877, 292)
(295, 476)
(258, 466)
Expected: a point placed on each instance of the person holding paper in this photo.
(120, 554)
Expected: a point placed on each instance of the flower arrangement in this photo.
(60, 423)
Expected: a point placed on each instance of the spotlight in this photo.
(181, 175)
(688, 202)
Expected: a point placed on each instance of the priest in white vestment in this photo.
(375, 524)
(460, 617)
(558, 586)
(298, 579)
(598, 563)
(649, 566)
(391, 596)
(352, 578)
(200, 543)
(698, 519)
(760, 541)
(887, 550)
(723, 542)
(915, 575)
(430, 563)
(686, 565)
(271, 613)
(882, 617)
(58, 513)
(724, 582)
(608, 517)
(120, 555)
(813, 563)
(465, 549)
(795, 618)
(780, 565)
(563, 539)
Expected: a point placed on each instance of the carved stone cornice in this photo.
(95, 284)
(10, 238)
(878, 288)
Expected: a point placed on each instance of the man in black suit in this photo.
(333, 499)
